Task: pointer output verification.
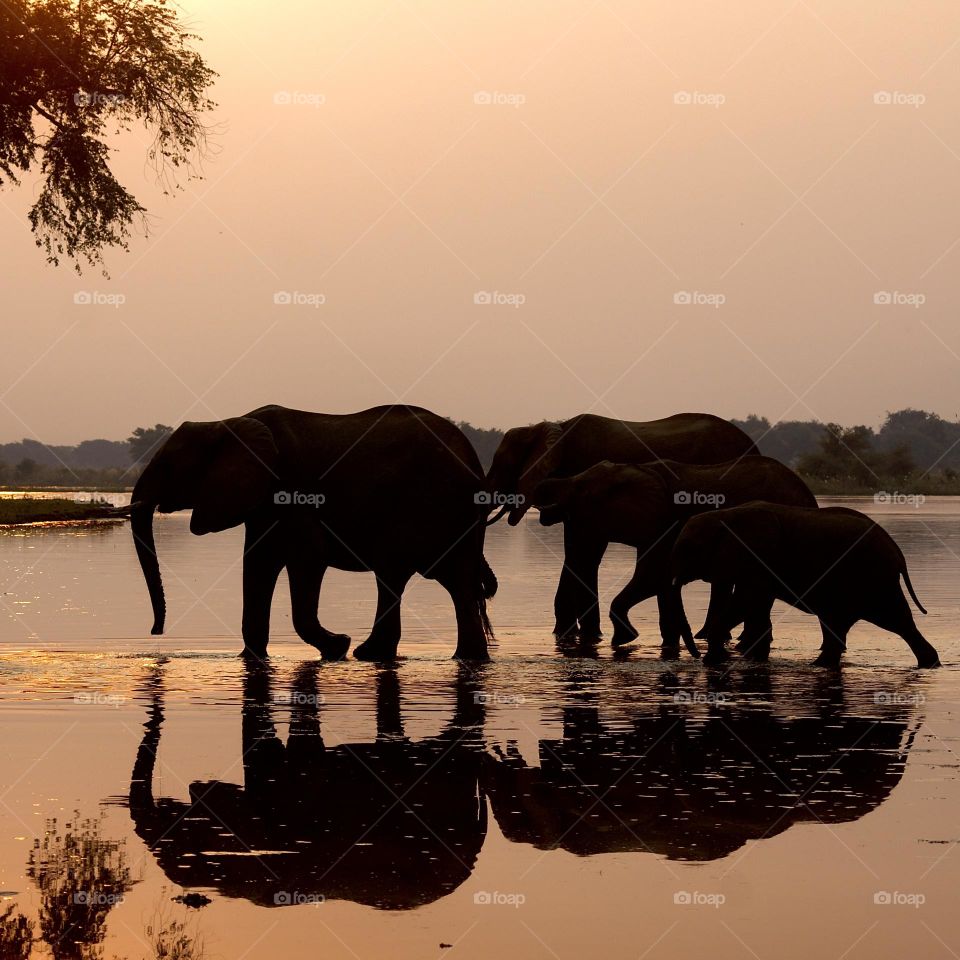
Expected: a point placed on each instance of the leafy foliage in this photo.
(75, 72)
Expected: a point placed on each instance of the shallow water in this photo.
(549, 803)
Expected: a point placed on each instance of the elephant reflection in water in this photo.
(692, 783)
(393, 824)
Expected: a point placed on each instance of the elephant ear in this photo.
(539, 459)
(240, 476)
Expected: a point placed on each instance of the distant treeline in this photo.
(912, 452)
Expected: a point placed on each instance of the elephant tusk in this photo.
(492, 520)
(675, 582)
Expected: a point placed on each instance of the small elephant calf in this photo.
(833, 562)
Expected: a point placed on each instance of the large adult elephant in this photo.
(392, 489)
(646, 507)
(529, 455)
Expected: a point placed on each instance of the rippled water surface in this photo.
(552, 803)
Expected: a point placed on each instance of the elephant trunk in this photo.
(141, 525)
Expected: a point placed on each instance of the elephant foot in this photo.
(928, 663)
(623, 635)
(376, 650)
(566, 631)
(253, 653)
(670, 651)
(716, 657)
(332, 646)
(829, 660)
(472, 654)
(757, 655)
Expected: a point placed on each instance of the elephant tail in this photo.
(906, 580)
(488, 587)
(488, 580)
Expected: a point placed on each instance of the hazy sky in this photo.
(582, 191)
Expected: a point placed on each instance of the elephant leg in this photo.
(894, 614)
(834, 642)
(306, 578)
(674, 626)
(385, 636)
(262, 562)
(757, 629)
(460, 576)
(566, 599)
(720, 612)
(585, 567)
(636, 590)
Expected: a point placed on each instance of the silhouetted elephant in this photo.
(835, 563)
(392, 489)
(696, 783)
(646, 507)
(529, 455)
(392, 824)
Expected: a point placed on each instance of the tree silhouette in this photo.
(75, 72)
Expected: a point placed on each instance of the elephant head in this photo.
(726, 543)
(619, 502)
(221, 470)
(526, 456)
